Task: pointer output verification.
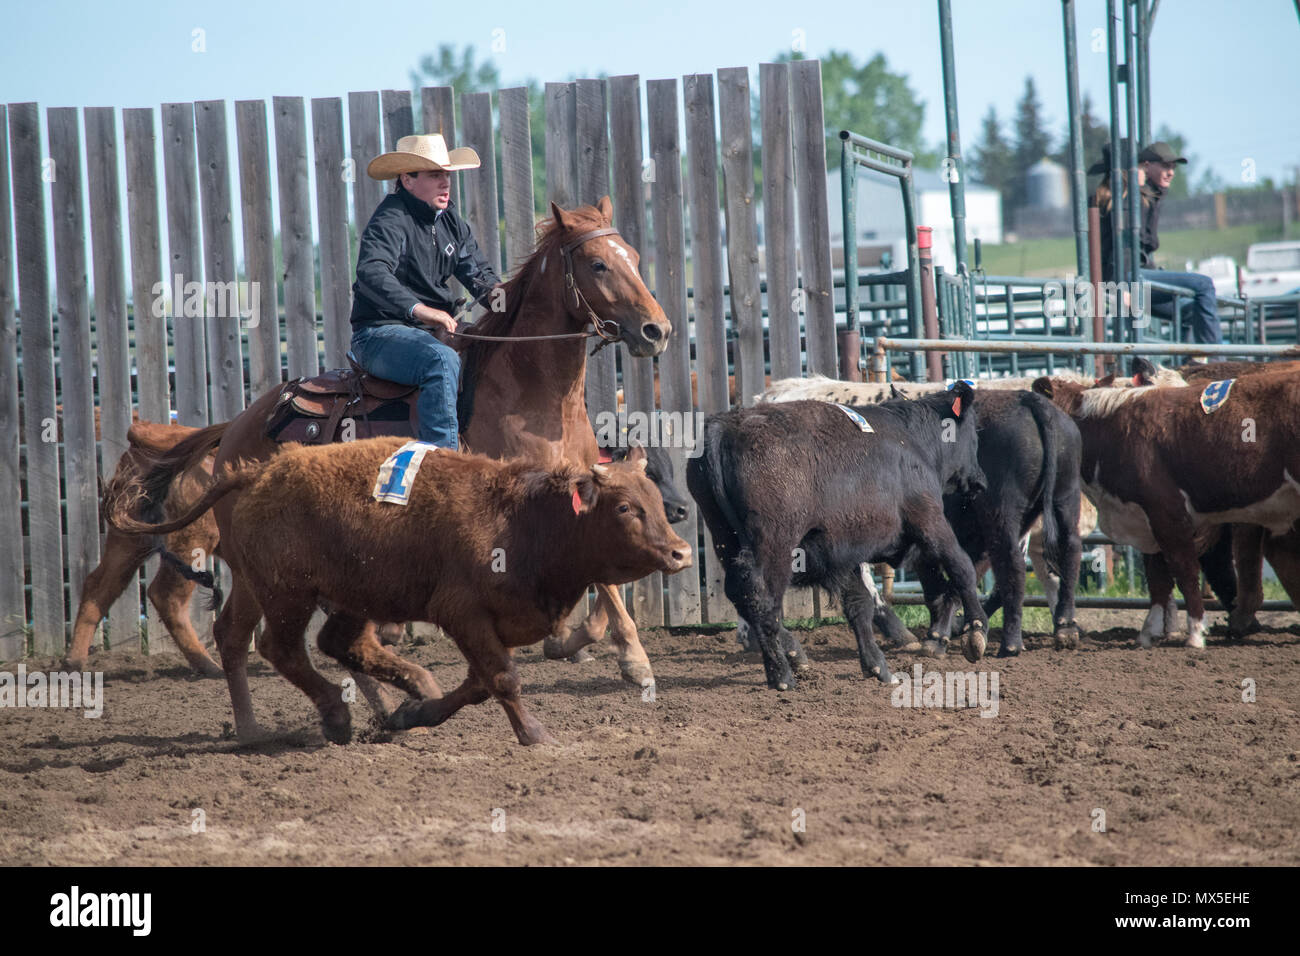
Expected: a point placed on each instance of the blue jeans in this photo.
(1201, 312)
(411, 356)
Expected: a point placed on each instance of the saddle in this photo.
(314, 411)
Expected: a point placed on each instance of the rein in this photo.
(609, 332)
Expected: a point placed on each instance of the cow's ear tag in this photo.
(577, 502)
(1137, 381)
(956, 406)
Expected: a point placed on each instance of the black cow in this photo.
(1029, 451)
(801, 493)
(659, 469)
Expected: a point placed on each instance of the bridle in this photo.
(608, 331)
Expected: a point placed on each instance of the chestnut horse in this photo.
(582, 272)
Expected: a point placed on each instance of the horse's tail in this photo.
(122, 499)
(145, 487)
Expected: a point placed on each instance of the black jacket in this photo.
(408, 252)
(1148, 237)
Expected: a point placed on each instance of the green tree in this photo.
(464, 74)
(992, 157)
(1032, 140)
(872, 100)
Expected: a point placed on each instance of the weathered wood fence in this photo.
(142, 341)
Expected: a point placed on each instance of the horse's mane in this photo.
(545, 255)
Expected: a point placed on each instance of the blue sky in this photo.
(1225, 74)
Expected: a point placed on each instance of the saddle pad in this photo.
(855, 417)
(397, 473)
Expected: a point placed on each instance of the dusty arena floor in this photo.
(716, 769)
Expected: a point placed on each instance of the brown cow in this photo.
(1164, 473)
(123, 554)
(496, 553)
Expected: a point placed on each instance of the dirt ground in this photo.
(716, 769)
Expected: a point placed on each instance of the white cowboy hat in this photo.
(415, 153)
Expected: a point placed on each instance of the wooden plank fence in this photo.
(194, 316)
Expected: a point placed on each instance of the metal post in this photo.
(933, 362)
(848, 191)
(1116, 236)
(1134, 223)
(1078, 180)
(956, 172)
(915, 309)
(1145, 20)
(1096, 366)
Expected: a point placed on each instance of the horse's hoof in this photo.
(336, 724)
(581, 656)
(553, 648)
(1239, 629)
(973, 643)
(207, 667)
(1196, 641)
(404, 717)
(79, 664)
(637, 673)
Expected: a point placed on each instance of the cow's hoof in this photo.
(581, 656)
(1239, 629)
(1196, 641)
(336, 724)
(784, 683)
(932, 647)
(1009, 649)
(1066, 637)
(79, 664)
(637, 673)
(973, 643)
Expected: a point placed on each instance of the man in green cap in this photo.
(1157, 164)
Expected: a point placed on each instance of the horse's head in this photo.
(604, 270)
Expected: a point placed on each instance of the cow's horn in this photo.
(600, 470)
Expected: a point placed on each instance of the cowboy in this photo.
(1157, 164)
(413, 244)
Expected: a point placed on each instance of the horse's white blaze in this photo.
(621, 252)
(1277, 512)
(1153, 626)
(1195, 631)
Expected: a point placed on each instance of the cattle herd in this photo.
(810, 485)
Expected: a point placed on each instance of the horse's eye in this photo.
(598, 266)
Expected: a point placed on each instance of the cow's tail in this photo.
(122, 500)
(706, 477)
(1042, 410)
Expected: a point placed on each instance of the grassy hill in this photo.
(1045, 257)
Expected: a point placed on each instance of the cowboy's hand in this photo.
(434, 317)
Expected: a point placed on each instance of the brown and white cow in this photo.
(1165, 472)
(496, 553)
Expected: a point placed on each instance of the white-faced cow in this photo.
(805, 492)
(1167, 466)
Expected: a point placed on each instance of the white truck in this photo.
(1272, 268)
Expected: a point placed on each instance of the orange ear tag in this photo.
(577, 502)
(956, 406)
(1137, 381)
